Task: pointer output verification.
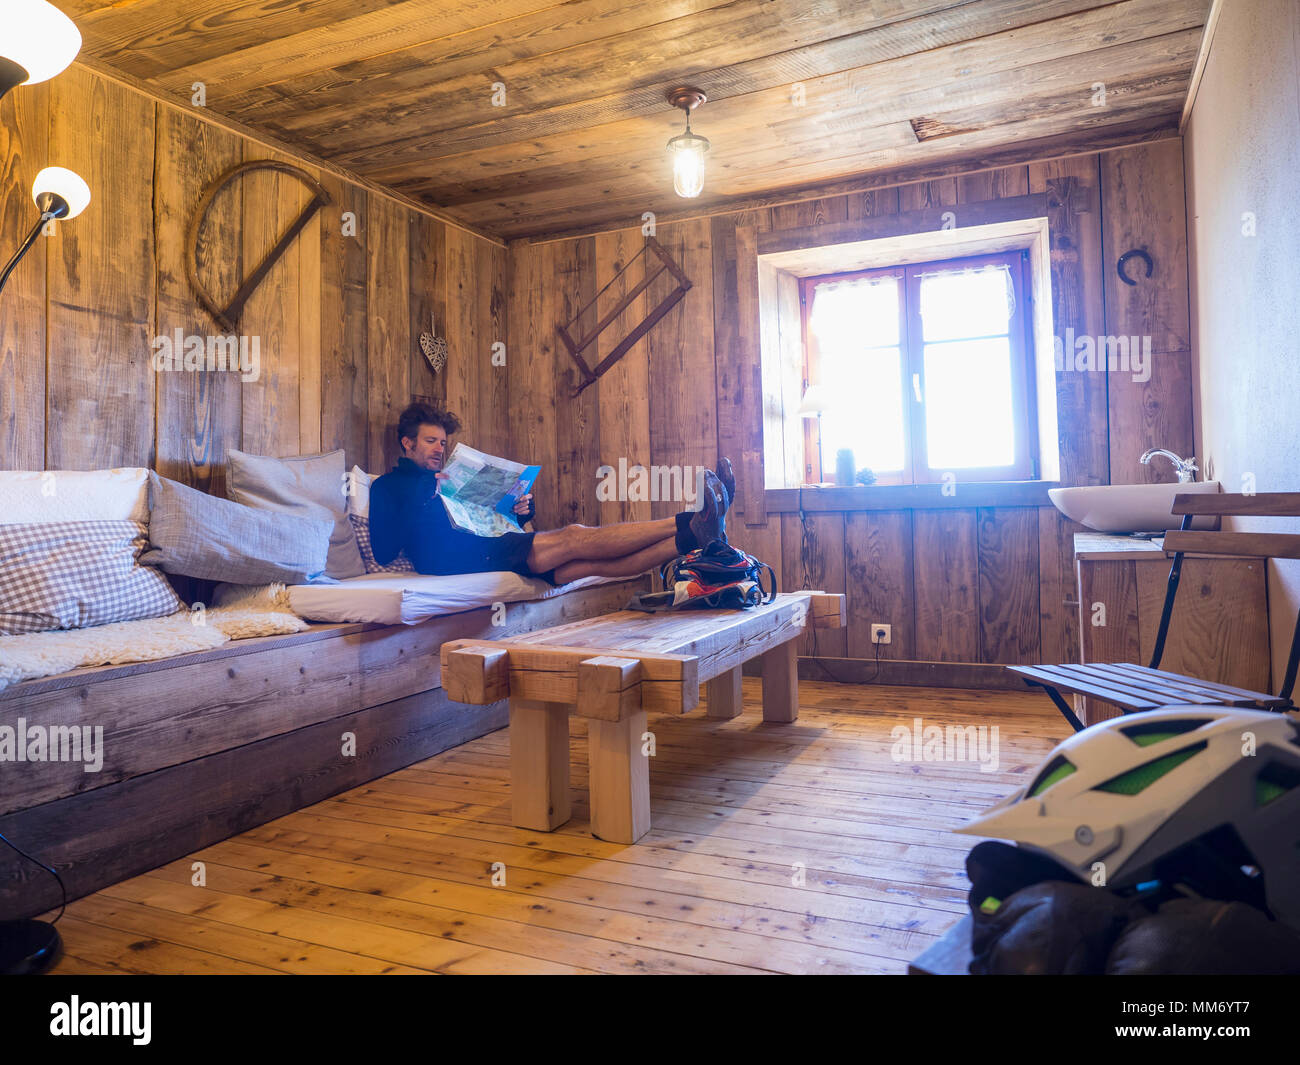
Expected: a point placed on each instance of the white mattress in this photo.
(409, 598)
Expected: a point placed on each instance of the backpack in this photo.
(711, 577)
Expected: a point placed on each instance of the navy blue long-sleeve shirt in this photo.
(406, 514)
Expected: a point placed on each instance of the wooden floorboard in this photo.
(801, 848)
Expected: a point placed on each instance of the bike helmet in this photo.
(1171, 797)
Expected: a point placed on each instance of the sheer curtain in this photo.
(856, 323)
(966, 356)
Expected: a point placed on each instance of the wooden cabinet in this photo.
(1219, 630)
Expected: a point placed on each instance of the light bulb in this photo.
(688, 163)
(64, 184)
(688, 172)
(39, 38)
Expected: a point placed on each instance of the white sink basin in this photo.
(1127, 508)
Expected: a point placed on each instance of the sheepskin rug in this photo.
(258, 611)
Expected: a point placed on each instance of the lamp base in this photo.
(28, 948)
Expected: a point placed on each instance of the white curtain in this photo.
(856, 325)
(861, 310)
(967, 303)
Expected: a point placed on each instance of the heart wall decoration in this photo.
(434, 347)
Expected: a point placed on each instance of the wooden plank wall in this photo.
(338, 317)
(958, 585)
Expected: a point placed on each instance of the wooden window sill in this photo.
(818, 498)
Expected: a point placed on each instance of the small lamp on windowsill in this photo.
(59, 194)
(816, 399)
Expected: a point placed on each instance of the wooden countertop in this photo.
(1094, 545)
(1106, 547)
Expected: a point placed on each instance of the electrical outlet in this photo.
(879, 632)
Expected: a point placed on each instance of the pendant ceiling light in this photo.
(688, 148)
(39, 41)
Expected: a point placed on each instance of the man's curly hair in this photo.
(418, 414)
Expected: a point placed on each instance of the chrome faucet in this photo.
(1185, 468)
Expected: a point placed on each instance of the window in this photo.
(927, 369)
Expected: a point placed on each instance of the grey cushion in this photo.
(199, 535)
(310, 486)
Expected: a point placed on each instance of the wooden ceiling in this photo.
(801, 92)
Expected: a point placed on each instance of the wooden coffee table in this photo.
(614, 670)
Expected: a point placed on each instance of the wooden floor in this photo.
(397, 876)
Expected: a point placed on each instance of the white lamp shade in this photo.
(39, 38)
(63, 183)
(815, 400)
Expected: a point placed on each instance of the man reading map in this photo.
(408, 513)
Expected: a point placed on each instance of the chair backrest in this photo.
(1264, 545)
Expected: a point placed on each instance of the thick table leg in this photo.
(781, 683)
(539, 764)
(619, 779)
(723, 695)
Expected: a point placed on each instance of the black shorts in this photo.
(510, 552)
(443, 549)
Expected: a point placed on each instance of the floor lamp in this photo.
(29, 946)
(59, 195)
(39, 42)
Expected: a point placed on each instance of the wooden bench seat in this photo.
(1134, 688)
(198, 747)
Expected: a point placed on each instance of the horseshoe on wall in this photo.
(228, 317)
(1134, 253)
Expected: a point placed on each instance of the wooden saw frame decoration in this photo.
(228, 317)
(590, 375)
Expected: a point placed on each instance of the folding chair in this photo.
(1133, 688)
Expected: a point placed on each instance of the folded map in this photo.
(480, 491)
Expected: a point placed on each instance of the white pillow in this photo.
(28, 496)
(358, 495)
(358, 491)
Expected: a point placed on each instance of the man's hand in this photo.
(524, 508)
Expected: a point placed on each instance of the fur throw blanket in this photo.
(256, 611)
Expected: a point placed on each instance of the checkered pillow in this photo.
(401, 564)
(73, 574)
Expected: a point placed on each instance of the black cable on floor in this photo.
(63, 891)
(803, 557)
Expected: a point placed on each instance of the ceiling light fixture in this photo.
(688, 148)
(39, 42)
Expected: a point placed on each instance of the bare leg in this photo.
(554, 547)
(627, 566)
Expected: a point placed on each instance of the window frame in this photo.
(1023, 370)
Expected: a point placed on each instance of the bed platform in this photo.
(199, 747)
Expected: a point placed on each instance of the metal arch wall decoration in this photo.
(590, 375)
(228, 317)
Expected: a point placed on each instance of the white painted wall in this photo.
(1242, 154)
